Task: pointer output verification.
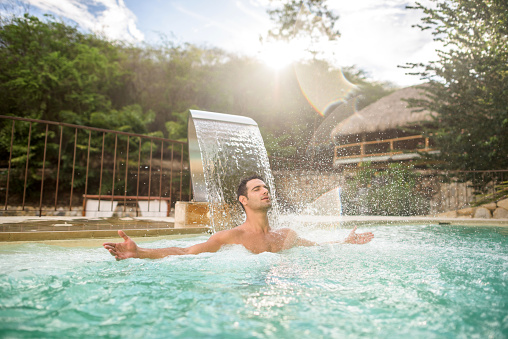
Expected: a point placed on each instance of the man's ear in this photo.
(243, 199)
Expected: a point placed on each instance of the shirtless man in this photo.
(255, 234)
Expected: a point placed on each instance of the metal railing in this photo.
(461, 189)
(64, 163)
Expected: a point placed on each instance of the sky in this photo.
(376, 35)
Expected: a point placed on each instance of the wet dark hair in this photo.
(242, 187)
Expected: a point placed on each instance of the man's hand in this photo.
(122, 250)
(361, 238)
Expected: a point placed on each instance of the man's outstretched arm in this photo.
(293, 239)
(352, 238)
(129, 249)
(358, 238)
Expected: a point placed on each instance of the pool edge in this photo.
(96, 234)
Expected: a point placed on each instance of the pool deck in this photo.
(66, 228)
(15, 229)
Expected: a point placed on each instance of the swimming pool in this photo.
(420, 281)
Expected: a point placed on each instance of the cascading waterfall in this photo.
(223, 149)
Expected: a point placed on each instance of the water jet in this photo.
(223, 148)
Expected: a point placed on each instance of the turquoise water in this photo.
(409, 282)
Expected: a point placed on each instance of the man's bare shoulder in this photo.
(227, 236)
(284, 231)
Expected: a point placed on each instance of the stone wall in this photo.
(494, 210)
(446, 196)
(296, 189)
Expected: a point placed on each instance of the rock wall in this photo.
(494, 210)
(447, 199)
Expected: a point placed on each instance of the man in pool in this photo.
(255, 234)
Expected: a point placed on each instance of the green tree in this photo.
(393, 191)
(48, 67)
(468, 85)
(177, 130)
(307, 18)
(51, 71)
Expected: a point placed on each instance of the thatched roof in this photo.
(387, 113)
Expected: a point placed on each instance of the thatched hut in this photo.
(383, 131)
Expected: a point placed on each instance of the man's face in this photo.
(258, 195)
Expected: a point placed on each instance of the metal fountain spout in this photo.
(195, 159)
(223, 149)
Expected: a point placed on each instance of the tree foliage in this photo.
(49, 67)
(468, 84)
(393, 191)
(52, 71)
(308, 18)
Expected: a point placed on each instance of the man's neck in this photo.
(257, 221)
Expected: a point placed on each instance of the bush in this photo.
(393, 191)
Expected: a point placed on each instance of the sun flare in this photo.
(278, 55)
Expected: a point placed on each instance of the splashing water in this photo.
(328, 203)
(229, 152)
(421, 281)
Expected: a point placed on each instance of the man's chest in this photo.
(263, 243)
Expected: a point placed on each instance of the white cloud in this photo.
(239, 33)
(206, 19)
(261, 19)
(111, 17)
(377, 36)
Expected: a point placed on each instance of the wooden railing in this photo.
(376, 148)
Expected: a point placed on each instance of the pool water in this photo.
(409, 282)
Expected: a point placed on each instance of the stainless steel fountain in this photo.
(195, 160)
(224, 148)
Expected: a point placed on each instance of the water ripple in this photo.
(411, 281)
